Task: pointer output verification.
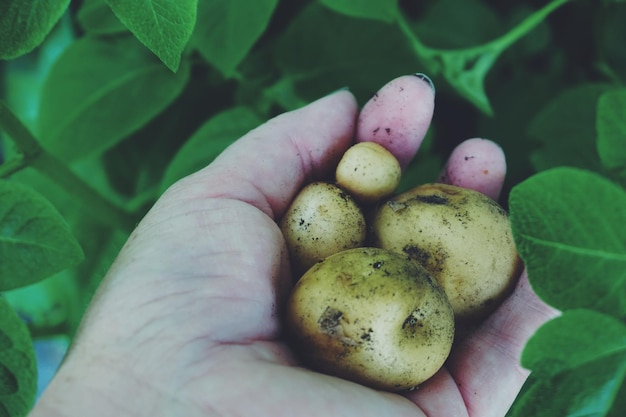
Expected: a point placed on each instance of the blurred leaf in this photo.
(611, 128)
(385, 10)
(578, 362)
(619, 405)
(100, 91)
(566, 129)
(18, 367)
(35, 241)
(567, 224)
(45, 304)
(96, 17)
(136, 165)
(24, 24)
(209, 141)
(164, 26)
(358, 53)
(610, 32)
(229, 29)
(474, 23)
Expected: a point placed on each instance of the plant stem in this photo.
(34, 155)
(433, 56)
(522, 28)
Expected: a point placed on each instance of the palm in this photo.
(250, 367)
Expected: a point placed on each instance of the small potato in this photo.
(369, 172)
(322, 220)
(372, 316)
(462, 237)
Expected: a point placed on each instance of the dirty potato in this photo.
(462, 237)
(322, 220)
(372, 316)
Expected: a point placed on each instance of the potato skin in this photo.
(372, 316)
(322, 220)
(462, 237)
(369, 172)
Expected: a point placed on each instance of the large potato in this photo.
(372, 316)
(322, 220)
(462, 237)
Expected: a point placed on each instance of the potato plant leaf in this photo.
(96, 17)
(163, 26)
(99, 92)
(568, 226)
(35, 241)
(611, 128)
(565, 129)
(384, 10)
(18, 367)
(322, 57)
(578, 362)
(474, 23)
(24, 24)
(209, 141)
(227, 30)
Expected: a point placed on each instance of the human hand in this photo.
(187, 320)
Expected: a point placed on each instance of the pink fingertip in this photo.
(477, 164)
(398, 116)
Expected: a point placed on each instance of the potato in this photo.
(368, 172)
(462, 237)
(322, 220)
(372, 316)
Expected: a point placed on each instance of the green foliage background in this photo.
(124, 98)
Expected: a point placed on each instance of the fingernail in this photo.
(426, 79)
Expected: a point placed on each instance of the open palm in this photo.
(187, 321)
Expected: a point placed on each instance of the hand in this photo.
(186, 322)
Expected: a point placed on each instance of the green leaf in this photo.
(568, 225)
(362, 54)
(474, 23)
(18, 367)
(229, 29)
(611, 127)
(96, 17)
(46, 304)
(35, 241)
(566, 131)
(385, 10)
(24, 24)
(99, 92)
(579, 364)
(163, 26)
(209, 141)
(572, 340)
(610, 33)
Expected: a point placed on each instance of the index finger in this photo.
(268, 165)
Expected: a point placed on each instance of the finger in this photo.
(398, 116)
(477, 164)
(439, 396)
(268, 165)
(486, 365)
